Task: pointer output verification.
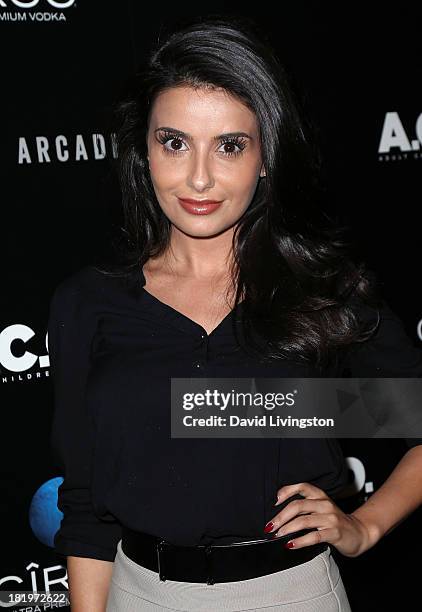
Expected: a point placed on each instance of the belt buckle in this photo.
(161, 566)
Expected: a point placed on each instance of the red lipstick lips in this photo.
(199, 207)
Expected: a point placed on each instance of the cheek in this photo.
(245, 180)
(238, 180)
(164, 172)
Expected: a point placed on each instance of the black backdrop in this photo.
(63, 64)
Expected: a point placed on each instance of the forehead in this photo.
(186, 108)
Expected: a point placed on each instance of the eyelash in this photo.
(240, 142)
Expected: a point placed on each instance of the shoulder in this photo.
(386, 349)
(91, 290)
(86, 280)
(71, 301)
(79, 304)
(368, 313)
(378, 316)
(75, 299)
(97, 284)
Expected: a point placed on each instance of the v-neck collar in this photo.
(182, 321)
(175, 317)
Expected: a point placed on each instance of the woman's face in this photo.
(194, 153)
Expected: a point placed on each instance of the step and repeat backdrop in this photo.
(64, 64)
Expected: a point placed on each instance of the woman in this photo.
(230, 271)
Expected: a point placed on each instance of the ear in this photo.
(263, 171)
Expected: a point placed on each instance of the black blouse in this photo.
(113, 350)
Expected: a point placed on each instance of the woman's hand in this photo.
(344, 531)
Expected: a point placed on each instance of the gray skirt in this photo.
(314, 586)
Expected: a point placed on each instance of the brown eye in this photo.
(231, 146)
(177, 142)
(171, 143)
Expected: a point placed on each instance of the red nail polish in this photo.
(289, 545)
(268, 527)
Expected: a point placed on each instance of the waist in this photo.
(216, 563)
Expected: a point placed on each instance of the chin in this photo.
(205, 230)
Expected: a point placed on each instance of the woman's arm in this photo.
(398, 497)
(89, 583)
(87, 542)
(352, 534)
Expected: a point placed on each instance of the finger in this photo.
(301, 507)
(315, 537)
(303, 488)
(309, 521)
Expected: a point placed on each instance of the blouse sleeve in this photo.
(389, 353)
(70, 332)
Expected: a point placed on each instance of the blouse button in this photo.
(198, 365)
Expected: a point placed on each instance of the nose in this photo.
(200, 173)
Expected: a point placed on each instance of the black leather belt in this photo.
(216, 563)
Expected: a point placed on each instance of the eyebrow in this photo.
(189, 137)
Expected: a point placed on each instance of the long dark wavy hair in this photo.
(292, 266)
